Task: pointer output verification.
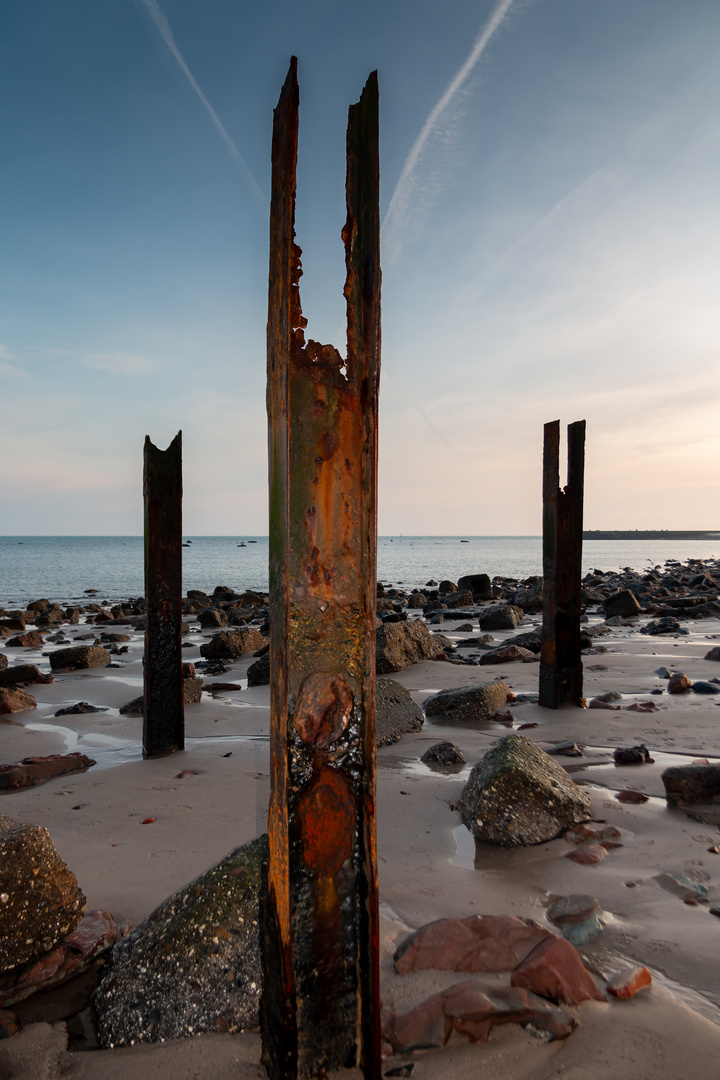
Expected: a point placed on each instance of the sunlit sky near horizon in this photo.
(550, 249)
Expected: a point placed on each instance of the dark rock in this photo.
(705, 688)
(518, 795)
(506, 654)
(416, 600)
(40, 900)
(532, 641)
(443, 753)
(32, 640)
(15, 701)
(501, 617)
(23, 673)
(79, 656)
(396, 712)
(467, 703)
(633, 755)
(478, 584)
(447, 587)
(714, 653)
(530, 596)
(211, 617)
(679, 683)
(460, 599)
(32, 771)
(401, 644)
(689, 785)
(136, 707)
(3, 661)
(194, 964)
(214, 667)
(231, 644)
(667, 625)
(8, 1024)
(258, 674)
(623, 604)
(79, 708)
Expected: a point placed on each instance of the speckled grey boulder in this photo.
(396, 713)
(194, 964)
(40, 901)
(463, 704)
(79, 656)
(517, 795)
(401, 644)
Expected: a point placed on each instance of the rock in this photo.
(3, 661)
(679, 684)
(626, 984)
(443, 753)
(258, 674)
(501, 617)
(192, 690)
(714, 653)
(518, 795)
(231, 644)
(79, 708)
(417, 600)
(478, 584)
(705, 688)
(194, 964)
(32, 771)
(588, 855)
(531, 640)
(460, 599)
(93, 936)
(211, 617)
(581, 833)
(15, 701)
(23, 673)
(530, 596)
(401, 644)
(79, 656)
(136, 707)
(464, 704)
(40, 900)
(567, 748)
(623, 604)
(8, 1024)
(681, 886)
(506, 654)
(579, 917)
(479, 943)
(692, 785)
(32, 640)
(447, 587)
(629, 796)
(633, 755)
(396, 712)
(472, 1009)
(554, 970)
(667, 625)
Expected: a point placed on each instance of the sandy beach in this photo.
(430, 867)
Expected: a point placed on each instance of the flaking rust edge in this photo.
(561, 671)
(321, 1003)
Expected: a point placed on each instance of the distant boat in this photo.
(464, 541)
(252, 541)
(242, 545)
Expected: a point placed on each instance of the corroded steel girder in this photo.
(164, 723)
(321, 1002)
(561, 672)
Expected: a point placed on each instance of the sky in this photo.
(550, 250)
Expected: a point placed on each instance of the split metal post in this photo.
(561, 672)
(321, 990)
(164, 720)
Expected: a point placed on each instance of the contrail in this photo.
(399, 207)
(158, 17)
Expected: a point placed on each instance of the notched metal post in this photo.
(321, 1001)
(164, 723)
(561, 672)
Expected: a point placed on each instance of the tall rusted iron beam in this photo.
(164, 723)
(321, 999)
(561, 672)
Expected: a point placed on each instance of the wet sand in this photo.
(429, 865)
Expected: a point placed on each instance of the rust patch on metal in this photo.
(323, 709)
(327, 821)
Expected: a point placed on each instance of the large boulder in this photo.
(401, 644)
(518, 795)
(13, 700)
(194, 964)
(210, 618)
(501, 617)
(23, 673)
(396, 712)
(692, 785)
(463, 704)
(232, 644)
(40, 901)
(79, 656)
(480, 586)
(623, 603)
(529, 596)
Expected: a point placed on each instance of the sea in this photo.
(64, 568)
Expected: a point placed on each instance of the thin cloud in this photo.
(9, 368)
(120, 363)
(398, 212)
(158, 17)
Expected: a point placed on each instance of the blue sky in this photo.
(550, 244)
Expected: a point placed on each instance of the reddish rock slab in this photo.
(589, 855)
(479, 943)
(95, 934)
(15, 701)
(32, 771)
(554, 970)
(627, 984)
(472, 1009)
(628, 796)
(33, 639)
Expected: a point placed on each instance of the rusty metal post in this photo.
(164, 723)
(561, 672)
(321, 999)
